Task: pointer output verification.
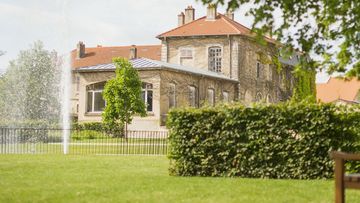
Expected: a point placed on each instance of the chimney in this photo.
(230, 14)
(181, 19)
(133, 52)
(211, 12)
(189, 14)
(80, 50)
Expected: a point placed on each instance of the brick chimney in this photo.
(189, 14)
(181, 19)
(133, 52)
(230, 14)
(211, 12)
(80, 50)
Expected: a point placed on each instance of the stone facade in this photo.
(161, 81)
(240, 56)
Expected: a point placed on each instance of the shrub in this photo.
(87, 135)
(269, 141)
(114, 131)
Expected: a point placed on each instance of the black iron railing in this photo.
(50, 141)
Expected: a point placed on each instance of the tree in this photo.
(123, 96)
(30, 86)
(2, 53)
(329, 29)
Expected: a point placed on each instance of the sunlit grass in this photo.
(58, 178)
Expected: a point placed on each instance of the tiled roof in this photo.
(222, 25)
(103, 55)
(148, 64)
(338, 89)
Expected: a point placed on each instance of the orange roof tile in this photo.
(103, 55)
(338, 89)
(222, 25)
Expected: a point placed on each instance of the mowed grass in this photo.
(59, 178)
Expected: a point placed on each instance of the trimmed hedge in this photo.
(98, 127)
(267, 141)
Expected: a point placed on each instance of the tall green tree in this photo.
(328, 28)
(30, 86)
(123, 96)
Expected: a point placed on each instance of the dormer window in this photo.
(215, 59)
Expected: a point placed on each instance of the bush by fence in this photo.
(275, 141)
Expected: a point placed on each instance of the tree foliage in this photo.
(327, 28)
(123, 95)
(2, 53)
(30, 87)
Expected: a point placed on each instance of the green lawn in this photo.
(57, 178)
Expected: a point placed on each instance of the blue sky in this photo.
(60, 24)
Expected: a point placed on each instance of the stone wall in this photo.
(200, 48)
(182, 82)
(240, 55)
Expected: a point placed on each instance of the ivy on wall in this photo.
(305, 87)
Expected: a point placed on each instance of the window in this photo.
(211, 97)
(225, 96)
(186, 55)
(172, 95)
(258, 97)
(95, 101)
(215, 59)
(258, 69)
(147, 95)
(192, 96)
(269, 99)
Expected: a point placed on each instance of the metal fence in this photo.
(50, 141)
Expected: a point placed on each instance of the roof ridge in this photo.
(123, 46)
(159, 36)
(227, 20)
(234, 21)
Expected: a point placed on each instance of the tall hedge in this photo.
(276, 141)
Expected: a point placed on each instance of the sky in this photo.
(61, 24)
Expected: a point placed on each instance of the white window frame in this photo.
(146, 90)
(93, 100)
(215, 69)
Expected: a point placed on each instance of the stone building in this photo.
(202, 61)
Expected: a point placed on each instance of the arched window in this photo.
(147, 95)
(95, 101)
(258, 97)
(193, 96)
(225, 96)
(172, 95)
(258, 69)
(211, 96)
(215, 57)
(248, 97)
(269, 99)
